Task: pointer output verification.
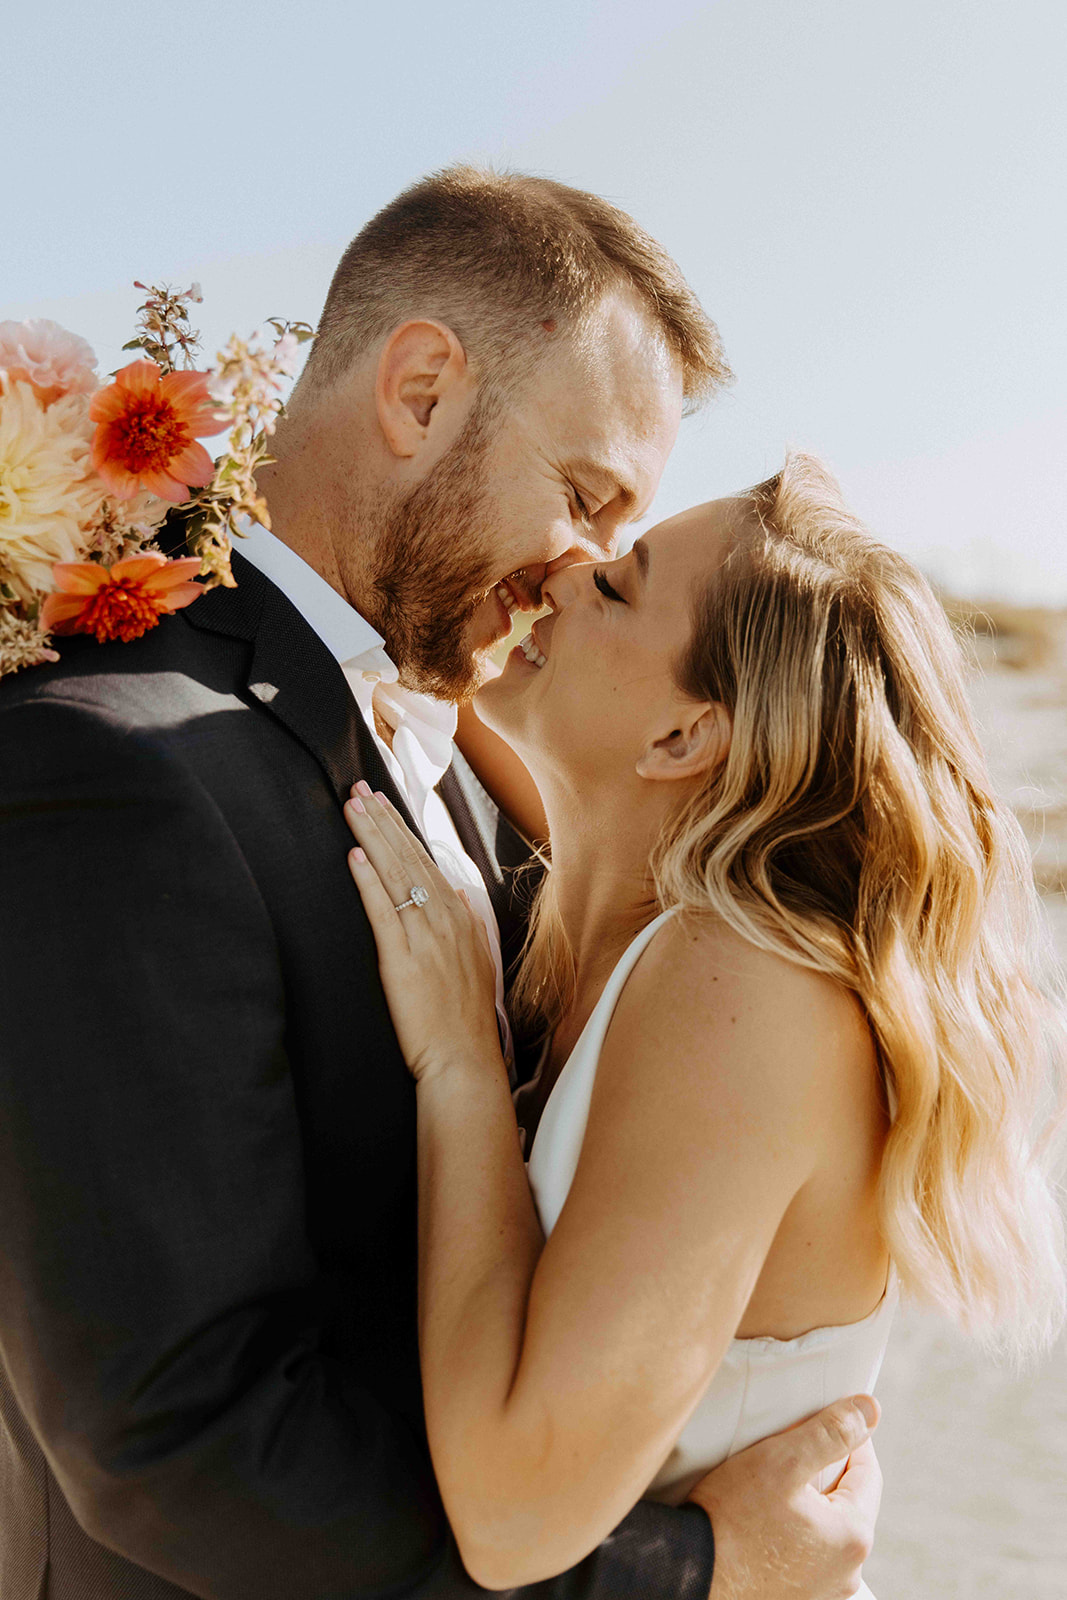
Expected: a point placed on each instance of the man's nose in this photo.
(586, 547)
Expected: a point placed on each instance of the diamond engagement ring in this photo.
(419, 897)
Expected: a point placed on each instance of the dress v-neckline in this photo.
(647, 933)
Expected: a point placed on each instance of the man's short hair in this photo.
(497, 257)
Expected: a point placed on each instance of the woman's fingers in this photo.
(386, 925)
(476, 923)
(397, 857)
(438, 978)
(394, 879)
(405, 846)
(366, 832)
(392, 848)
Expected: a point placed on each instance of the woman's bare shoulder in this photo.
(705, 985)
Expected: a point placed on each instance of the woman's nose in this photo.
(565, 583)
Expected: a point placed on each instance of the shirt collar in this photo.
(348, 636)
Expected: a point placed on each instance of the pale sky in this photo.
(868, 198)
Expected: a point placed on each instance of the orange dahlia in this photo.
(148, 423)
(119, 602)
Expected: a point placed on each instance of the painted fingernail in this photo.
(363, 786)
(868, 1408)
(359, 855)
(356, 805)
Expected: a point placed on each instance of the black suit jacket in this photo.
(208, 1367)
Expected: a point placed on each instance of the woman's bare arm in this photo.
(502, 774)
(557, 1381)
(556, 1378)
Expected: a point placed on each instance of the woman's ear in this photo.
(696, 746)
(422, 381)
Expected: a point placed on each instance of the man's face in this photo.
(552, 478)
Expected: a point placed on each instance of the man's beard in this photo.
(435, 569)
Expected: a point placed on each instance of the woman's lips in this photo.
(541, 632)
(532, 651)
(517, 657)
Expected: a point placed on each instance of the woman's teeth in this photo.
(505, 596)
(529, 649)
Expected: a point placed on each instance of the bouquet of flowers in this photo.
(90, 470)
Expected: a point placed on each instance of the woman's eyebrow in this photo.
(640, 550)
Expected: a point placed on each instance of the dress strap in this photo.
(557, 1143)
(604, 1009)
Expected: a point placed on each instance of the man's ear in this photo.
(697, 745)
(422, 383)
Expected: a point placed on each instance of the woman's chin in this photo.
(498, 704)
(489, 702)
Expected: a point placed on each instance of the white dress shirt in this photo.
(422, 728)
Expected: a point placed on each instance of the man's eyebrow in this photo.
(586, 468)
(641, 552)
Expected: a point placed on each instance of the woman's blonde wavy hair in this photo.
(853, 828)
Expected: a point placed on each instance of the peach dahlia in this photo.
(147, 425)
(122, 601)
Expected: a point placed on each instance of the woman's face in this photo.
(600, 691)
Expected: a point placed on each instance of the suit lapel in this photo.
(296, 679)
(503, 857)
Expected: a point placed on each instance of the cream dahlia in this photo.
(48, 491)
(50, 358)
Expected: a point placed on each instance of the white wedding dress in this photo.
(762, 1385)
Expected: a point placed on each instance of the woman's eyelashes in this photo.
(601, 582)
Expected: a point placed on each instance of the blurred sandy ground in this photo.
(975, 1458)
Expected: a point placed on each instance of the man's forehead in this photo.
(629, 354)
(626, 450)
(610, 419)
(618, 356)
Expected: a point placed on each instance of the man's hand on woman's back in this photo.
(779, 1538)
